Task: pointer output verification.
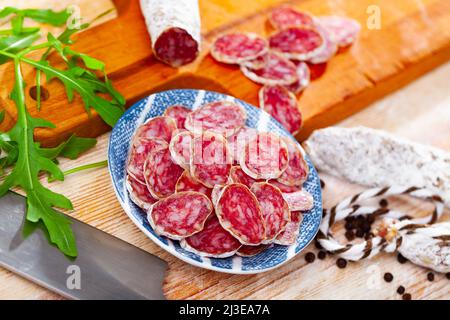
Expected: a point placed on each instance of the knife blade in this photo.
(106, 267)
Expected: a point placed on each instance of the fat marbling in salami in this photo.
(236, 48)
(178, 113)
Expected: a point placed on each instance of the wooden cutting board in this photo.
(414, 37)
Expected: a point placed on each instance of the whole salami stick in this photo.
(424, 244)
(174, 27)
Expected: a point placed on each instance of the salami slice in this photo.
(328, 50)
(291, 231)
(274, 208)
(180, 215)
(213, 241)
(237, 142)
(237, 175)
(264, 157)
(342, 31)
(300, 200)
(187, 183)
(239, 212)
(235, 48)
(178, 113)
(297, 170)
(181, 148)
(281, 104)
(140, 150)
(174, 27)
(158, 127)
(298, 43)
(215, 194)
(139, 193)
(250, 251)
(161, 173)
(256, 63)
(275, 70)
(211, 159)
(284, 17)
(223, 117)
(303, 78)
(284, 188)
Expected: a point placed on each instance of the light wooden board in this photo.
(414, 38)
(419, 112)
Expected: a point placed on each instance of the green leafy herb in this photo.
(100, 164)
(25, 158)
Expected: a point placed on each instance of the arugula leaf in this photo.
(25, 174)
(15, 43)
(71, 148)
(2, 116)
(54, 18)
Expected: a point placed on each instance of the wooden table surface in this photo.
(420, 111)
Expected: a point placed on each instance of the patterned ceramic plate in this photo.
(154, 105)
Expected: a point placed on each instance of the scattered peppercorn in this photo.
(430, 276)
(321, 255)
(401, 290)
(322, 184)
(383, 203)
(341, 263)
(388, 277)
(448, 275)
(401, 259)
(318, 245)
(406, 296)
(359, 233)
(310, 257)
(350, 235)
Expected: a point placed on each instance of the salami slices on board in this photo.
(174, 27)
(140, 150)
(161, 173)
(180, 215)
(181, 148)
(239, 212)
(298, 43)
(281, 104)
(303, 78)
(157, 127)
(284, 17)
(223, 117)
(264, 157)
(211, 159)
(139, 193)
(274, 208)
(179, 114)
(328, 50)
(236, 48)
(276, 69)
(342, 31)
(297, 169)
(213, 241)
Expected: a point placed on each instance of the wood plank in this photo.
(410, 113)
(414, 38)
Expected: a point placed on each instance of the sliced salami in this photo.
(250, 251)
(284, 17)
(237, 142)
(284, 188)
(303, 78)
(237, 175)
(274, 208)
(300, 200)
(298, 43)
(178, 113)
(256, 63)
(297, 170)
(181, 148)
(342, 31)
(264, 157)
(139, 193)
(188, 183)
(174, 27)
(140, 150)
(213, 241)
(328, 50)
(215, 194)
(211, 159)
(291, 231)
(281, 104)
(235, 48)
(158, 127)
(161, 173)
(275, 70)
(223, 117)
(180, 215)
(239, 212)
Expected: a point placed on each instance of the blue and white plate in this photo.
(154, 105)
